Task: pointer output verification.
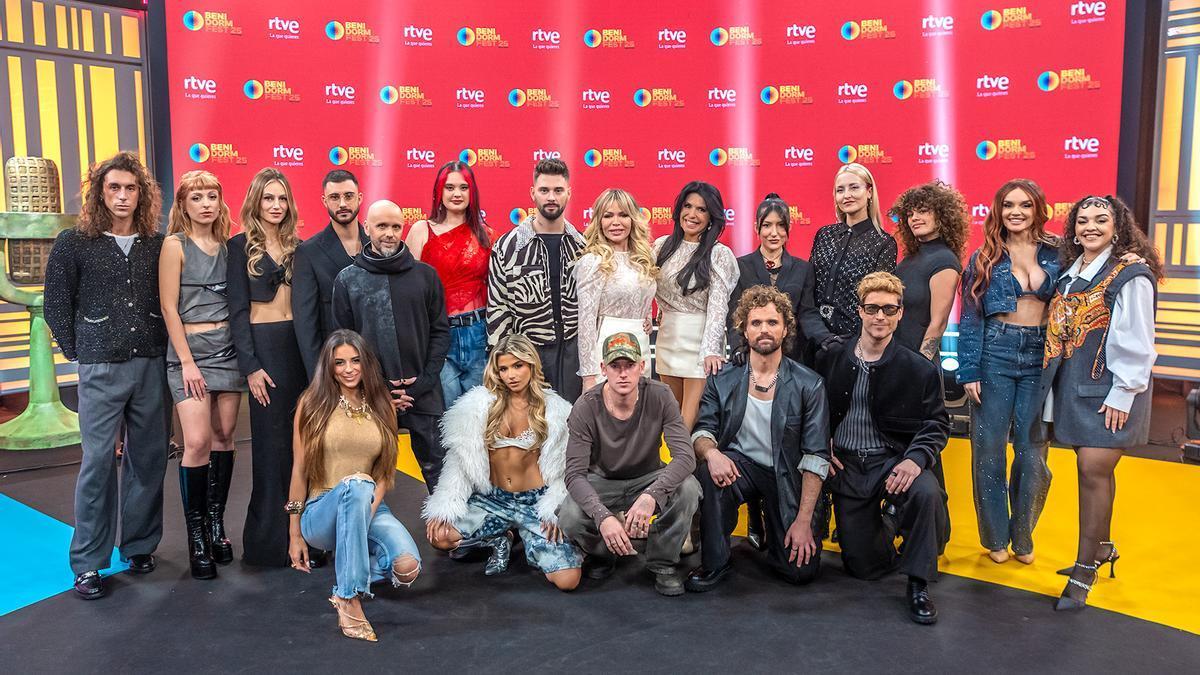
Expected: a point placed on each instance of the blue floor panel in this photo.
(34, 564)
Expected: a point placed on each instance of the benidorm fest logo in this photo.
(787, 94)
(353, 155)
(924, 87)
(1008, 18)
(866, 153)
(210, 22)
(216, 153)
(480, 36)
(734, 36)
(1067, 79)
(658, 97)
(610, 38)
(1003, 148)
(404, 94)
(609, 158)
(483, 157)
(271, 90)
(867, 29)
(734, 156)
(531, 98)
(350, 31)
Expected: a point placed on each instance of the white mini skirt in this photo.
(677, 349)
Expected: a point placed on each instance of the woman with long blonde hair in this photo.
(616, 278)
(850, 249)
(202, 368)
(512, 474)
(259, 275)
(344, 462)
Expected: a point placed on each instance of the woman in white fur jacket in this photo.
(506, 444)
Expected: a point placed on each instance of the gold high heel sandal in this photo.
(358, 629)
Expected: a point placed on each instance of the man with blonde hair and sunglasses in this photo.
(889, 425)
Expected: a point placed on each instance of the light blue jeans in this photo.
(1008, 509)
(364, 546)
(465, 360)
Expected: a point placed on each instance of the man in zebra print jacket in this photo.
(531, 280)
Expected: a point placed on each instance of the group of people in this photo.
(520, 366)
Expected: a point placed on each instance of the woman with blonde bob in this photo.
(850, 249)
(260, 291)
(202, 366)
(615, 277)
(512, 474)
(344, 462)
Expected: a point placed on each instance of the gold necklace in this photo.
(358, 413)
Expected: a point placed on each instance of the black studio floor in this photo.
(455, 619)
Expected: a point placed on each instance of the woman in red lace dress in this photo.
(457, 242)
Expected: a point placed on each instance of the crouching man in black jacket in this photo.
(889, 426)
(763, 433)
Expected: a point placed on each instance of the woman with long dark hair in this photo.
(1098, 362)
(344, 462)
(848, 250)
(1006, 288)
(259, 273)
(202, 368)
(506, 453)
(615, 277)
(457, 243)
(696, 275)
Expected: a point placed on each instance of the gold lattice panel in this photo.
(32, 185)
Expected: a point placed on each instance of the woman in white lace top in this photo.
(615, 278)
(697, 274)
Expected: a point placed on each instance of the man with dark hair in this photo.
(763, 435)
(531, 285)
(889, 426)
(398, 305)
(613, 464)
(102, 305)
(318, 260)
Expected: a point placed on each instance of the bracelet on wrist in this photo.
(294, 507)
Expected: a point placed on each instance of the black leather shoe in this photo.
(668, 583)
(700, 579)
(317, 558)
(920, 606)
(599, 568)
(142, 564)
(89, 585)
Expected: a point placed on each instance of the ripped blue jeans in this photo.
(364, 546)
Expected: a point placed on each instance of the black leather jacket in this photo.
(799, 423)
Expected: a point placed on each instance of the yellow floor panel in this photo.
(1156, 526)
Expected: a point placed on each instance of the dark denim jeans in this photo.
(1011, 365)
(465, 360)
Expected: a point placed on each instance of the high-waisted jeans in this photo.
(364, 546)
(465, 360)
(1008, 510)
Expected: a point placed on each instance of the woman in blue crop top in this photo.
(1002, 331)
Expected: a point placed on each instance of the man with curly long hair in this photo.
(102, 305)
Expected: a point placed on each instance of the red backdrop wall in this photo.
(752, 96)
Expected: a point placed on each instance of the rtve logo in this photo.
(278, 26)
(672, 158)
(339, 91)
(199, 85)
(1076, 146)
(980, 211)
(466, 97)
(542, 153)
(991, 85)
(1089, 9)
(800, 33)
(419, 35)
(722, 98)
(671, 38)
(937, 24)
(852, 90)
(419, 155)
(540, 38)
(286, 153)
(596, 99)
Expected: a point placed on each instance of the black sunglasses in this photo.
(888, 310)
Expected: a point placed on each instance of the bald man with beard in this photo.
(397, 304)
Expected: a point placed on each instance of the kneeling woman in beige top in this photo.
(344, 461)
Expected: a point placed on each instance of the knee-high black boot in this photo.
(193, 488)
(220, 473)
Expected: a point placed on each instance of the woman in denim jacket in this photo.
(1006, 288)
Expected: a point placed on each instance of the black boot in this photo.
(193, 488)
(220, 472)
(920, 606)
(756, 531)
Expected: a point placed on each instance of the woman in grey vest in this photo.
(1099, 355)
(201, 362)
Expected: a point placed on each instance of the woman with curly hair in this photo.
(615, 277)
(932, 224)
(260, 277)
(202, 367)
(1095, 388)
(506, 449)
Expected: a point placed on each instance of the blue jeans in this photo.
(465, 360)
(493, 513)
(365, 547)
(1011, 365)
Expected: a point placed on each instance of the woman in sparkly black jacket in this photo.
(848, 250)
